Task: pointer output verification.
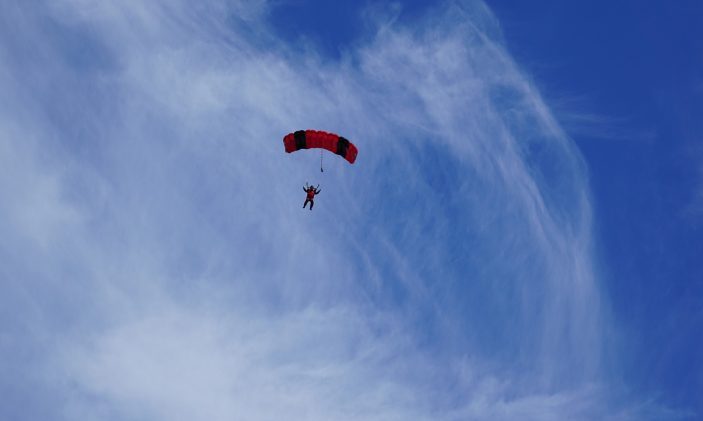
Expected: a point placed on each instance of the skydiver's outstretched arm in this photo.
(317, 191)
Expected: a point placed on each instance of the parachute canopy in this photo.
(308, 139)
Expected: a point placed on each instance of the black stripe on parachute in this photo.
(300, 140)
(342, 146)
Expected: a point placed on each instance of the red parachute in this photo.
(308, 139)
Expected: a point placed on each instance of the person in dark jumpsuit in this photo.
(311, 192)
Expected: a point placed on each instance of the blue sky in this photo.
(635, 69)
(517, 240)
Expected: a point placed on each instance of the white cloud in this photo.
(446, 275)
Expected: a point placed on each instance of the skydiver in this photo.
(311, 191)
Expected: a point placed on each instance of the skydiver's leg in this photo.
(306, 203)
(312, 203)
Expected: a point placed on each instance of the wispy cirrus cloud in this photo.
(157, 264)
